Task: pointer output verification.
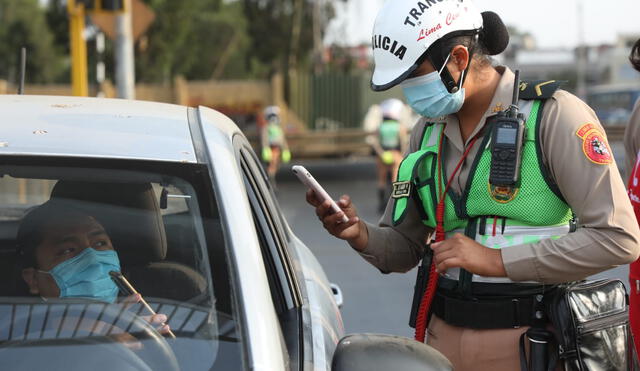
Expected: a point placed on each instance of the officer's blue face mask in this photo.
(87, 275)
(428, 96)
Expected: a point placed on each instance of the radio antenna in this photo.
(23, 67)
(513, 110)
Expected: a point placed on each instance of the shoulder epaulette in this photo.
(539, 89)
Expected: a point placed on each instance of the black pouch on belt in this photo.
(422, 279)
(591, 325)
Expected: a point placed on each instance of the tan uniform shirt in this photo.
(607, 234)
(632, 139)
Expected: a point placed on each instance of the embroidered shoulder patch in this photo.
(401, 189)
(594, 144)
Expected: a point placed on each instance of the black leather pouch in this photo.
(591, 325)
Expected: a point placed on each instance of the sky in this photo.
(553, 23)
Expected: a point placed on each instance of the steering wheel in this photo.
(84, 342)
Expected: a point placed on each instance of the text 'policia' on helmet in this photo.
(405, 30)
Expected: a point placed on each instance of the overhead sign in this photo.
(141, 15)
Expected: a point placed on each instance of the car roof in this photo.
(94, 127)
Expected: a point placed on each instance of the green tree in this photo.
(23, 23)
(194, 38)
(282, 32)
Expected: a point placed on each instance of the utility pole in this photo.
(79, 79)
(581, 88)
(100, 67)
(317, 36)
(125, 71)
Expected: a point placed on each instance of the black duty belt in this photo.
(492, 306)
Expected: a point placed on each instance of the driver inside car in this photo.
(66, 253)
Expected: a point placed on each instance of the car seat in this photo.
(131, 216)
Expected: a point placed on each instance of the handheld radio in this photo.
(506, 143)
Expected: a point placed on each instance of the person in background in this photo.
(273, 142)
(389, 144)
(632, 156)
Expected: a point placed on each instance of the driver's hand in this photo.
(158, 320)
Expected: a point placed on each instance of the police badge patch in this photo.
(594, 144)
(503, 195)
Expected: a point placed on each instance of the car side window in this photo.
(271, 233)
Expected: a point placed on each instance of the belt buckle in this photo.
(516, 312)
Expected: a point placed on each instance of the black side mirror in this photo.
(371, 352)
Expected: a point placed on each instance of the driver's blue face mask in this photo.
(87, 275)
(428, 96)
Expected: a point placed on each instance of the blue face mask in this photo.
(428, 96)
(87, 275)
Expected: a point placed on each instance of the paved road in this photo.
(373, 302)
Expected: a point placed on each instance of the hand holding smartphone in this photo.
(307, 179)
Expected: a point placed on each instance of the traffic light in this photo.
(102, 5)
(88, 4)
(112, 5)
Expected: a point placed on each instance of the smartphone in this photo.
(127, 289)
(305, 177)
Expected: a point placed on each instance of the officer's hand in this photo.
(352, 231)
(460, 251)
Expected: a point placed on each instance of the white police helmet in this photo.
(270, 111)
(405, 29)
(272, 114)
(392, 108)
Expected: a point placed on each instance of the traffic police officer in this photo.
(568, 218)
(388, 145)
(273, 141)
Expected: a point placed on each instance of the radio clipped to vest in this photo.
(507, 138)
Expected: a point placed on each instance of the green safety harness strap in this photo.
(404, 187)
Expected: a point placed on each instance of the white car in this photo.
(198, 232)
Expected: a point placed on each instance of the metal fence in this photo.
(328, 101)
(334, 100)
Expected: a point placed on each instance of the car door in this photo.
(284, 285)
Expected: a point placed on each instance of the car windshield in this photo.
(67, 229)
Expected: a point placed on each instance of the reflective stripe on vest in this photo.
(512, 236)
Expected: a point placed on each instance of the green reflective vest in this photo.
(275, 135)
(389, 133)
(534, 211)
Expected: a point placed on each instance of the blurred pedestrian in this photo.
(501, 230)
(274, 143)
(388, 143)
(632, 152)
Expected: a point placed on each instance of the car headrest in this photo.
(129, 213)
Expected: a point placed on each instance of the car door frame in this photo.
(286, 288)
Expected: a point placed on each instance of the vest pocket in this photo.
(426, 186)
(427, 192)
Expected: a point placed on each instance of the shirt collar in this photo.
(501, 101)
